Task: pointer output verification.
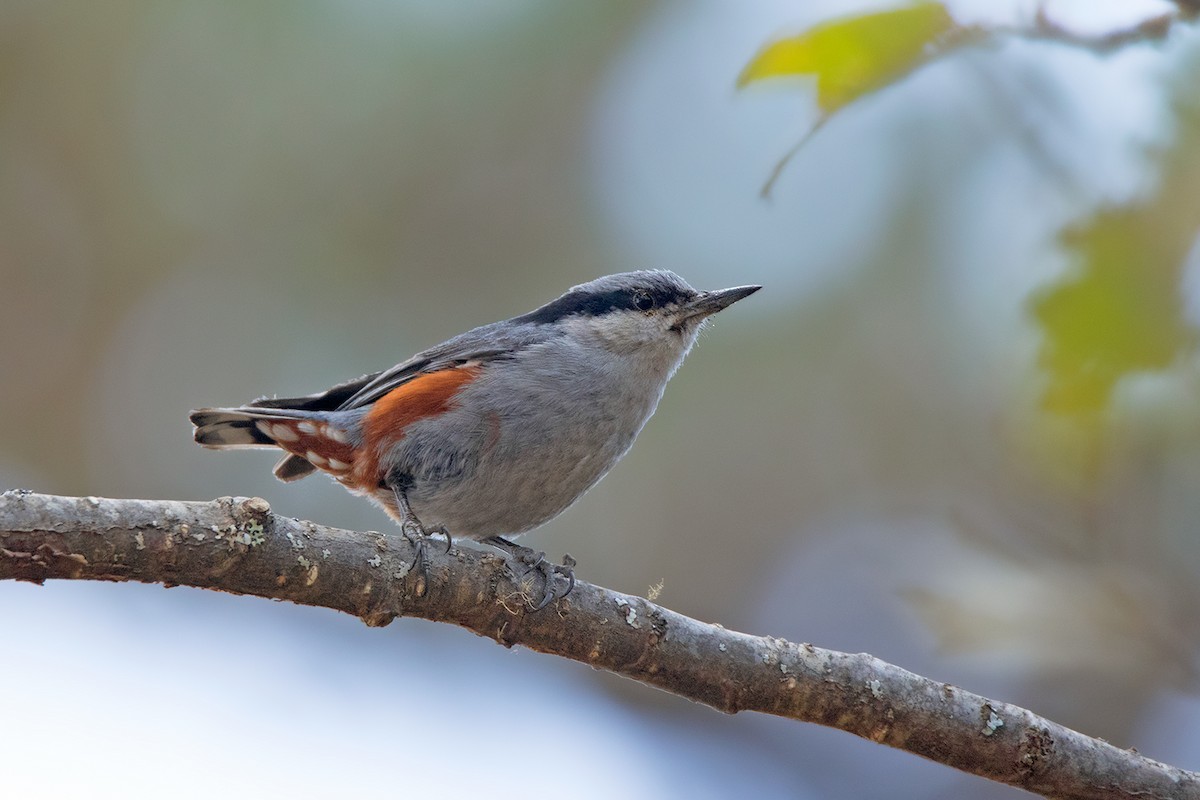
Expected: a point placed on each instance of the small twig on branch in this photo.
(1189, 9)
(1149, 31)
(237, 545)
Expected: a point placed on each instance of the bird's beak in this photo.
(708, 303)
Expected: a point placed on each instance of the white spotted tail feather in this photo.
(310, 440)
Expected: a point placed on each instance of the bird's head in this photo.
(650, 312)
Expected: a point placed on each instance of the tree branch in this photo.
(1152, 30)
(237, 545)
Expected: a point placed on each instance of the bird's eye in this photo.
(643, 301)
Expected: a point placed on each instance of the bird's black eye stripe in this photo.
(595, 304)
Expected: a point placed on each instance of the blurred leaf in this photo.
(1121, 309)
(1118, 313)
(853, 56)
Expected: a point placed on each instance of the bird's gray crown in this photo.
(628, 291)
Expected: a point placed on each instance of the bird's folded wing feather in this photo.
(479, 346)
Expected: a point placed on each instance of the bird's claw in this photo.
(417, 536)
(537, 562)
(441, 530)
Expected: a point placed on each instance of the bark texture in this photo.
(237, 545)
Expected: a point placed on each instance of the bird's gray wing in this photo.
(479, 346)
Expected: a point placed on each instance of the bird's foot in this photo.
(417, 536)
(420, 538)
(535, 561)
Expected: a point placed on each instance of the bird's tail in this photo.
(233, 428)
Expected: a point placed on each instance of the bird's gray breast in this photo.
(528, 437)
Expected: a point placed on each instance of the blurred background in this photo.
(959, 428)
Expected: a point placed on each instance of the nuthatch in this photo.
(499, 429)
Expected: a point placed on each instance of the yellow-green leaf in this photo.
(856, 55)
(1120, 313)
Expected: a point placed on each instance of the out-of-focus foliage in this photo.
(1119, 314)
(1119, 309)
(856, 55)
(1113, 438)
